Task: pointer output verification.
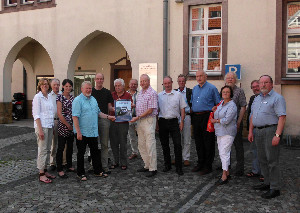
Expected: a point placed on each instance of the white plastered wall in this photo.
(251, 39)
(136, 24)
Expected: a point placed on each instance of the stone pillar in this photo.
(5, 112)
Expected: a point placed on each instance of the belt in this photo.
(168, 119)
(266, 126)
(56, 119)
(188, 114)
(201, 113)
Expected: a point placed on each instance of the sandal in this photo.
(71, 170)
(82, 177)
(261, 178)
(64, 176)
(48, 175)
(114, 166)
(44, 181)
(251, 174)
(124, 167)
(102, 174)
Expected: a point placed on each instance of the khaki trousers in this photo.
(147, 142)
(44, 147)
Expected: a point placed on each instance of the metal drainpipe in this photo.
(165, 37)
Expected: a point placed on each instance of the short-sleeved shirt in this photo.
(66, 110)
(170, 104)
(227, 114)
(147, 99)
(204, 98)
(124, 96)
(239, 98)
(267, 109)
(87, 111)
(103, 97)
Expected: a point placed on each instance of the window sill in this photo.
(11, 5)
(210, 76)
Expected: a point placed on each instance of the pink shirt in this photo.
(146, 99)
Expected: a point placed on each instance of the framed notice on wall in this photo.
(151, 70)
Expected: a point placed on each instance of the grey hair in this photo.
(234, 75)
(55, 80)
(167, 76)
(120, 80)
(86, 82)
(145, 75)
(133, 79)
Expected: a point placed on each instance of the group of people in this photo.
(172, 112)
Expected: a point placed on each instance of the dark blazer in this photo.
(188, 95)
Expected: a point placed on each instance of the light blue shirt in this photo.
(87, 110)
(267, 109)
(204, 98)
(227, 115)
(170, 104)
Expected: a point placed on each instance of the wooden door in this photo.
(126, 75)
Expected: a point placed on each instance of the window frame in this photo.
(205, 33)
(187, 4)
(281, 48)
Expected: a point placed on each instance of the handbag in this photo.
(210, 125)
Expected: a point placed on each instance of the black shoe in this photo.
(261, 187)
(179, 171)
(142, 170)
(196, 169)
(205, 171)
(271, 194)
(152, 173)
(239, 173)
(52, 168)
(221, 182)
(167, 168)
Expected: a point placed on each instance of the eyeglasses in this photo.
(265, 82)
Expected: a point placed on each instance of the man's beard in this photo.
(88, 94)
(264, 91)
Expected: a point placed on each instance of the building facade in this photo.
(76, 39)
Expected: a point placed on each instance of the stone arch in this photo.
(28, 61)
(78, 49)
(12, 56)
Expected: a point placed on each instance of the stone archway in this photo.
(36, 60)
(94, 54)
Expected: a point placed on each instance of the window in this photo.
(293, 40)
(11, 3)
(205, 39)
(27, 2)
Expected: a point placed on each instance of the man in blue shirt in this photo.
(268, 115)
(204, 97)
(85, 113)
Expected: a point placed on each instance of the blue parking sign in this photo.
(233, 68)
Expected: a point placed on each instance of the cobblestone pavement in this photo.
(129, 191)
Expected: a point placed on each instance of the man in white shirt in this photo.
(55, 83)
(171, 105)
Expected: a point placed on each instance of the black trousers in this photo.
(166, 128)
(92, 142)
(204, 140)
(239, 150)
(60, 149)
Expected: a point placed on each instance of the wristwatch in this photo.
(278, 136)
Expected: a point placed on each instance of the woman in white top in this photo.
(43, 115)
(225, 129)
